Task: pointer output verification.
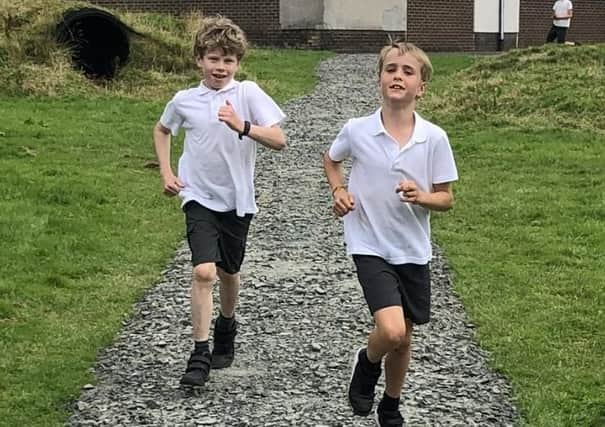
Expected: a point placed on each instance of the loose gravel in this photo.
(301, 313)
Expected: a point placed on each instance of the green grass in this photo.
(527, 236)
(77, 201)
(526, 241)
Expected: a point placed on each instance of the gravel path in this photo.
(301, 312)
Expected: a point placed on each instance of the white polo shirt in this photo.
(560, 8)
(381, 224)
(216, 167)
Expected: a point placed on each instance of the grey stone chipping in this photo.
(302, 315)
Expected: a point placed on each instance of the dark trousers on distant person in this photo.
(556, 33)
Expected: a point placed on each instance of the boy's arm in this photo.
(440, 199)
(161, 141)
(343, 200)
(269, 136)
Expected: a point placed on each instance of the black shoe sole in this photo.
(216, 364)
(359, 413)
(192, 383)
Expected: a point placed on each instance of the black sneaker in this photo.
(198, 369)
(363, 383)
(223, 347)
(388, 418)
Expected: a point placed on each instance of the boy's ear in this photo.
(421, 90)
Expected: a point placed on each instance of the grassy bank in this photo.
(528, 232)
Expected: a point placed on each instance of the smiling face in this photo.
(400, 78)
(218, 68)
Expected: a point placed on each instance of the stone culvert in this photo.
(99, 41)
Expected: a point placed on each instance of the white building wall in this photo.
(486, 16)
(307, 14)
(383, 15)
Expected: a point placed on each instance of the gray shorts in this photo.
(404, 285)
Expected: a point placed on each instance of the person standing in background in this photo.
(562, 11)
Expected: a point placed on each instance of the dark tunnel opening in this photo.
(98, 41)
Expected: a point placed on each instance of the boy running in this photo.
(223, 120)
(402, 167)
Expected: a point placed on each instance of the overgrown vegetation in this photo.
(161, 59)
(528, 89)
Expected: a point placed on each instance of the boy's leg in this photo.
(232, 244)
(561, 34)
(380, 284)
(229, 292)
(198, 366)
(396, 364)
(204, 276)
(225, 326)
(552, 34)
(388, 334)
(202, 235)
(391, 333)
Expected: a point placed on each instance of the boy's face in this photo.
(218, 69)
(400, 78)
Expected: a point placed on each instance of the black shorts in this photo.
(218, 237)
(386, 285)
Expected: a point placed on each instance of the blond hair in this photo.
(217, 32)
(426, 68)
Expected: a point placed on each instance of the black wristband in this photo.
(246, 130)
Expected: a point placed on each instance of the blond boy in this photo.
(402, 167)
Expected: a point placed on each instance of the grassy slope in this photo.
(77, 200)
(527, 235)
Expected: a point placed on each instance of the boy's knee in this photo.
(404, 344)
(204, 274)
(395, 337)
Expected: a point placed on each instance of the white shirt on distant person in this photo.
(561, 8)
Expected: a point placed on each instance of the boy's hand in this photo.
(343, 202)
(172, 185)
(227, 115)
(408, 191)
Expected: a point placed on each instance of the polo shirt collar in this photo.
(230, 86)
(420, 127)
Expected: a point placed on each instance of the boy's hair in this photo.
(426, 68)
(217, 32)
